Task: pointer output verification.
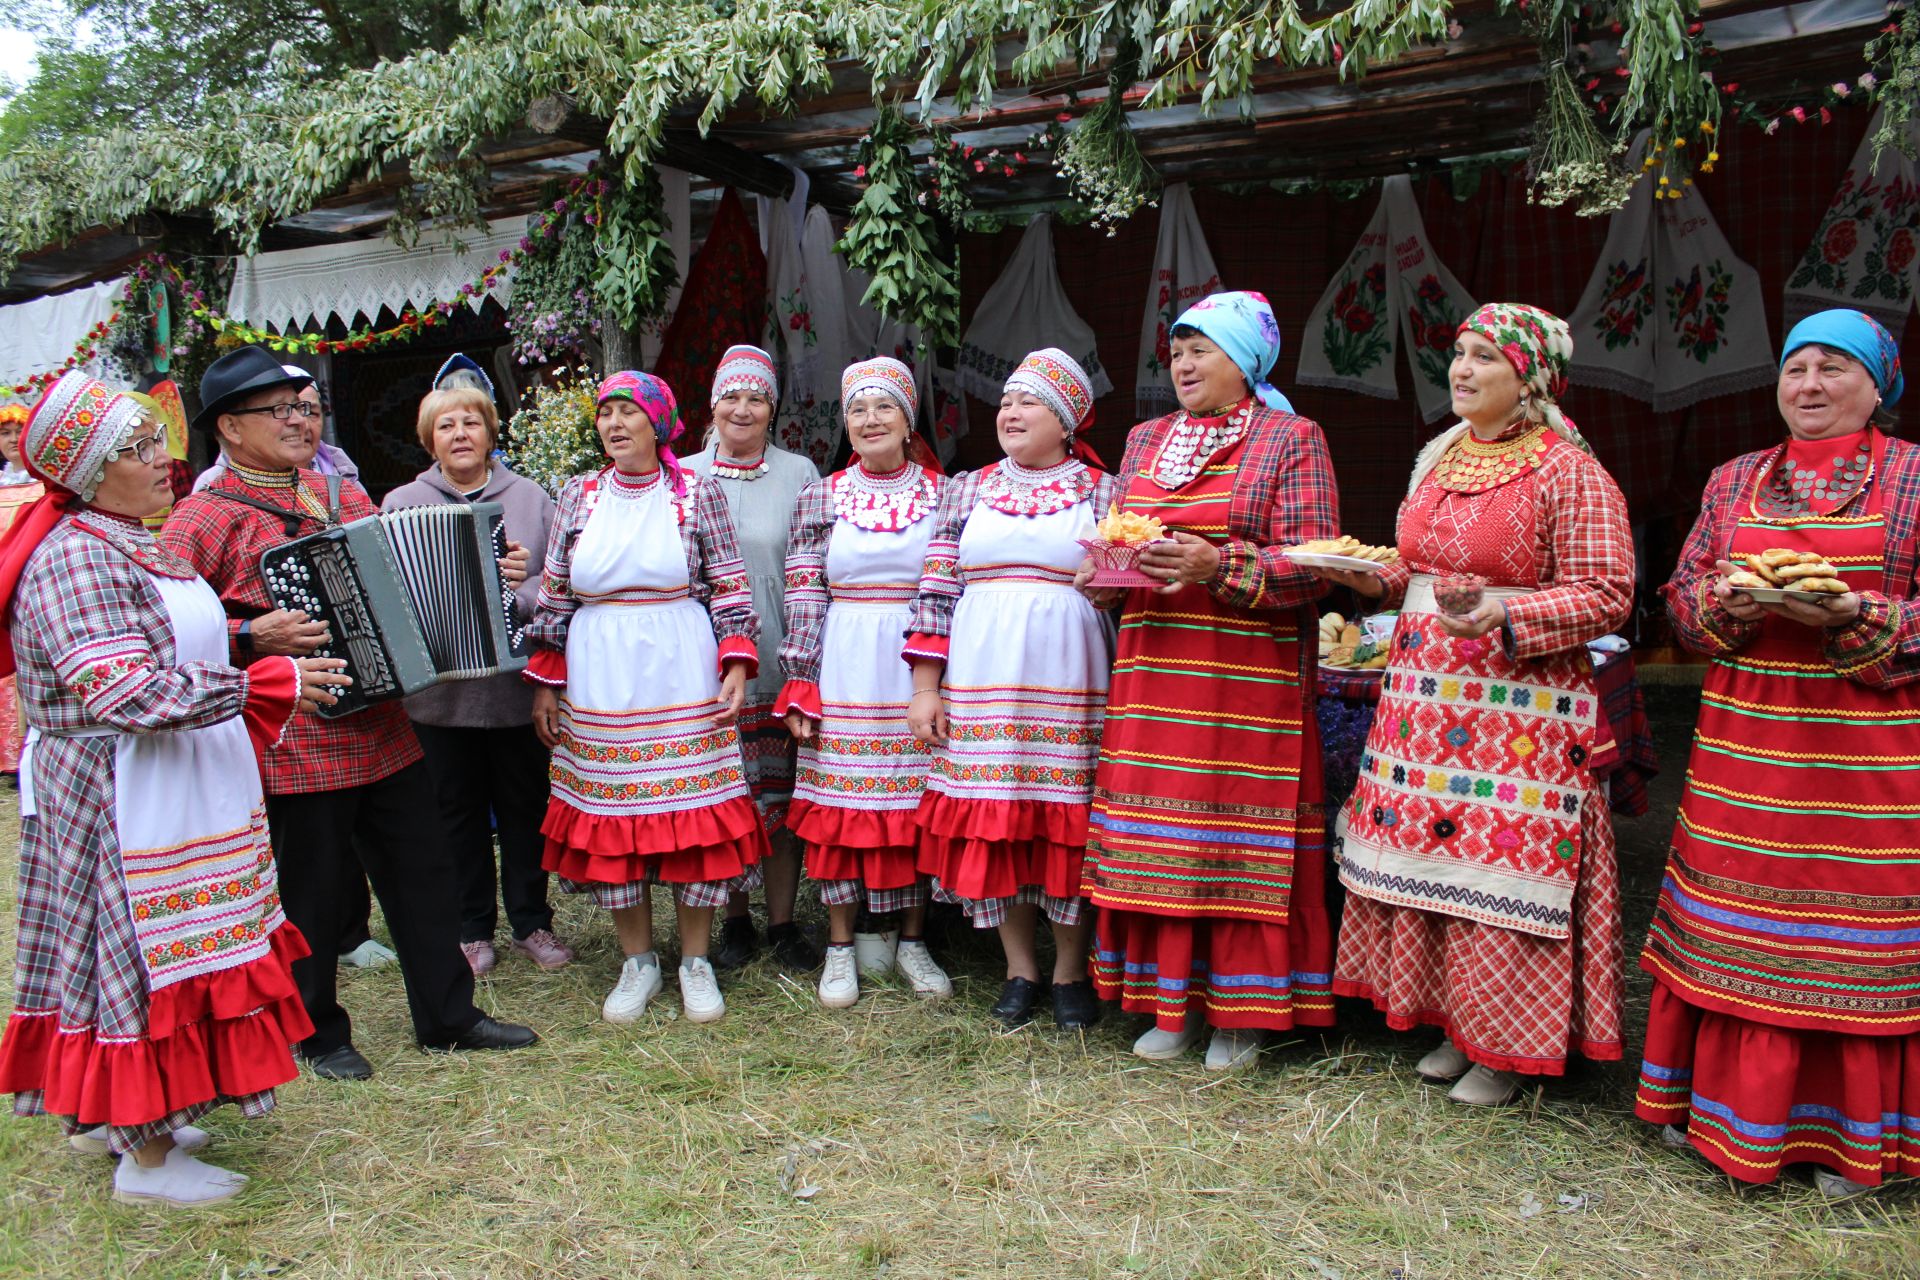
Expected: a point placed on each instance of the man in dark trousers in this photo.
(333, 786)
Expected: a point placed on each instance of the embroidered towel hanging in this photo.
(1866, 254)
(1669, 315)
(1391, 288)
(1025, 310)
(1183, 273)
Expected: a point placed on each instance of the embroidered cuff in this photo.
(740, 649)
(273, 698)
(1868, 640)
(798, 695)
(548, 667)
(921, 644)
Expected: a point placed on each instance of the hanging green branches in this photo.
(893, 237)
(1571, 161)
(1894, 54)
(1101, 159)
(637, 261)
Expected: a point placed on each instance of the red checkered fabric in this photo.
(223, 541)
(1285, 457)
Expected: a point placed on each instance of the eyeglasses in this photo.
(144, 450)
(281, 412)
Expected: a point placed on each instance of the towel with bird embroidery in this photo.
(1670, 315)
(1866, 254)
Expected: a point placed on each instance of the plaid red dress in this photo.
(1484, 897)
(105, 1029)
(1205, 850)
(223, 540)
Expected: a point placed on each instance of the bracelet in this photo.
(918, 692)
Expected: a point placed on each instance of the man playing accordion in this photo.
(340, 792)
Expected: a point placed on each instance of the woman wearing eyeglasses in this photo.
(152, 975)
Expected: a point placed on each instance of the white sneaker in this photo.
(369, 955)
(874, 952)
(1158, 1044)
(639, 983)
(93, 1142)
(179, 1180)
(700, 996)
(1443, 1064)
(930, 981)
(1234, 1047)
(840, 979)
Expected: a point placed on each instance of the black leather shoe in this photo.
(739, 944)
(344, 1063)
(1075, 1007)
(791, 949)
(488, 1034)
(1015, 1005)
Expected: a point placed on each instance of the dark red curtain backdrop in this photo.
(1768, 194)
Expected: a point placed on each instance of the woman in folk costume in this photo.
(854, 559)
(151, 974)
(1785, 945)
(760, 483)
(645, 628)
(1205, 848)
(17, 489)
(1026, 661)
(1483, 894)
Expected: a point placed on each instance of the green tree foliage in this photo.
(105, 63)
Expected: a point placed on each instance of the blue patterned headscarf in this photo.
(1860, 336)
(1242, 325)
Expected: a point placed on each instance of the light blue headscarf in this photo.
(1860, 336)
(1241, 323)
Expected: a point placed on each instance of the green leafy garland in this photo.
(1895, 84)
(893, 237)
(638, 266)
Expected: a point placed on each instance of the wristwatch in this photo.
(243, 638)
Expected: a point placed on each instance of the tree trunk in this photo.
(621, 346)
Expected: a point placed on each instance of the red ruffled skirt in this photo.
(873, 846)
(218, 1035)
(1754, 1098)
(686, 846)
(980, 850)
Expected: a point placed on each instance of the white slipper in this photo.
(93, 1142)
(1234, 1048)
(179, 1180)
(1835, 1186)
(1485, 1087)
(1161, 1045)
(1443, 1065)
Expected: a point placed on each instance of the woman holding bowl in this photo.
(1785, 945)
(1477, 852)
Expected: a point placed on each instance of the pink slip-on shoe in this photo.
(544, 949)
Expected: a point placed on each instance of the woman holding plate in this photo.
(1476, 850)
(1785, 945)
(1204, 850)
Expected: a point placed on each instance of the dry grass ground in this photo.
(905, 1139)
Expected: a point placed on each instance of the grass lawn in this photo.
(906, 1139)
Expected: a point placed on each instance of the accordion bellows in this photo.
(411, 599)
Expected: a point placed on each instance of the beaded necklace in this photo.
(1191, 444)
(1015, 490)
(1473, 465)
(746, 470)
(288, 480)
(883, 504)
(1808, 485)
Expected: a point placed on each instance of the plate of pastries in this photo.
(1780, 574)
(1343, 552)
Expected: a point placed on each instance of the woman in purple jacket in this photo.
(478, 734)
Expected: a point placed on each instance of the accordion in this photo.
(411, 599)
